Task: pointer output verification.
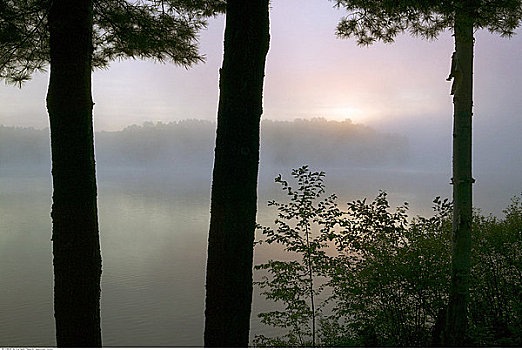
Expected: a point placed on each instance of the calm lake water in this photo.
(153, 230)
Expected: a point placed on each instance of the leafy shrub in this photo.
(295, 282)
(384, 280)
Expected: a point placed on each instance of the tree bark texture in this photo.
(76, 247)
(234, 182)
(456, 324)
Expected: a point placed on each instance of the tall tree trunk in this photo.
(456, 323)
(76, 247)
(234, 183)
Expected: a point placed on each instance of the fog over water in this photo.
(412, 155)
(154, 197)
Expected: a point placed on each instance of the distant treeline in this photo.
(191, 142)
(24, 147)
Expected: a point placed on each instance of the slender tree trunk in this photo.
(311, 276)
(76, 247)
(456, 323)
(234, 183)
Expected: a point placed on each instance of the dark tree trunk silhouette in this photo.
(76, 247)
(456, 324)
(234, 183)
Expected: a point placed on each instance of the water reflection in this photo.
(26, 296)
(154, 268)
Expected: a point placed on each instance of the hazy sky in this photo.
(310, 73)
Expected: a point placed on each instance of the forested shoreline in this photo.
(189, 143)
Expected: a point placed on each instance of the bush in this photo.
(384, 280)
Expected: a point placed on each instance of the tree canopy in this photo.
(370, 21)
(162, 30)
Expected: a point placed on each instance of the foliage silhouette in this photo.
(295, 282)
(385, 280)
(161, 30)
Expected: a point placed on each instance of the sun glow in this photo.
(341, 113)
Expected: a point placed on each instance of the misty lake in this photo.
(153, 228)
